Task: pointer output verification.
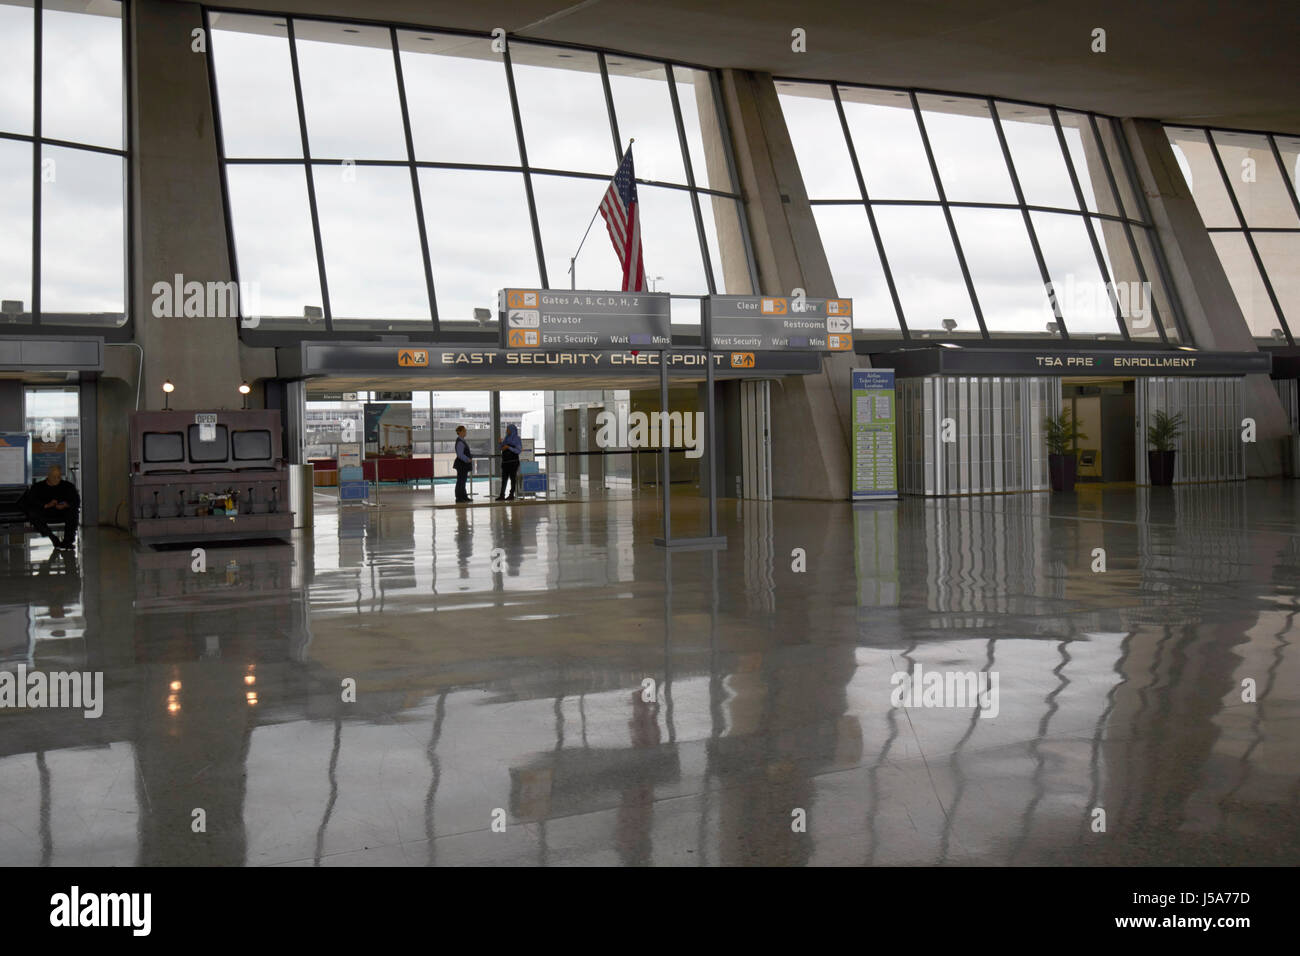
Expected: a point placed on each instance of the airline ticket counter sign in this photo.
(540, 319)
(875, 466)
(778, 323)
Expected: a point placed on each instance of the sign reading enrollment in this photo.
(779, 323)
(875, 474)
(555, 318)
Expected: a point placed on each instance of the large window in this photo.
(1244, 185)
(968, 217)
(62, 164)
(391, 178)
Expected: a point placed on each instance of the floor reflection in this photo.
(395, 687)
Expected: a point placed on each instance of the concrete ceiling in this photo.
(1205, 62)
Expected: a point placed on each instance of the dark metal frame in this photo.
(416, 329)
(873, 340)
(118, 333)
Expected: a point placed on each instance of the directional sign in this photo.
(777, 323)
(565, 318)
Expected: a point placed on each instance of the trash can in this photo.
(302, 490)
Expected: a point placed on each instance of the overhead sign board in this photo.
(778, 323)
(565, 318)
(911, 363)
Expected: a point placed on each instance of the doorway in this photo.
(1106, 412)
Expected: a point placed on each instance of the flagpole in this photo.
(573, 259)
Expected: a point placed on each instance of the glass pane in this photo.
(1110, 136)
(259, 117)
(669, 241)
(1249, 288)
(349, 91)
(727, 254)
(855, 267)
(703, 134)
(1203, 178)
(1288, 148)
(818, 139)
(1003, 268)
(966, 149)
(1164, 307)
(17, 65)
(644, 109)
(372, 244)
(888, 143)
(480, 239)
(1256, 179)
(81, 72)
(925, 270)
(457, 97)
(274, 249)
(83, 256)
(15, 232)
(52, 416)
(564, 208)
(1133, 296)
(1280, 252)
(1036, 154)
(562, 107)
(1077, 282)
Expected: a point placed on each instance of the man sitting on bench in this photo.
(53, 501)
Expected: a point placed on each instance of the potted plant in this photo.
(1162, 431)
(1062, 431)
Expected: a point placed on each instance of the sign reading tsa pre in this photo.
(875, 471)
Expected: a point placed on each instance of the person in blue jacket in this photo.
(463, 464)
(511, 446)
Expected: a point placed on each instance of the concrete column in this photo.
(810, 413)
(179, 229)
(1210, 307)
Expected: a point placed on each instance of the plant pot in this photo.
(1062, 469)
(1160, 466)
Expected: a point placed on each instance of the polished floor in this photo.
(540, 685)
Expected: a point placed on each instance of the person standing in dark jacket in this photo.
(511, 446)
(463, 464)
(53, 500)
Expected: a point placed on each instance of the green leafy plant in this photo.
(1061, 432)
(1164, 428)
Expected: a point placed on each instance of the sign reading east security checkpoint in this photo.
(777, 323)
(566, 318)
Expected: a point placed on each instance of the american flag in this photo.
(622, 214)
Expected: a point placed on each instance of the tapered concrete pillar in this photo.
(810, 413)
(178, 231)
(1209, 305)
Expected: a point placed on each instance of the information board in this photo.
(875, 471)
(352, 483)
(15, 459)
(565, 318)
(768, 323)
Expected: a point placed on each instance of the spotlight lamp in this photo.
(168, 388)
(244, 389)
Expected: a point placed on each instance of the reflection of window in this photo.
(217, 449)
(163, 446)
(1244, 187)
(959, 191)
(79, 192)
